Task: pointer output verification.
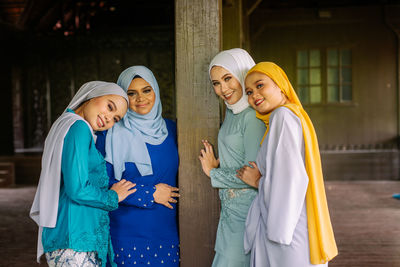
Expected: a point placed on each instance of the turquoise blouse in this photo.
(82, 220)
(238, 143)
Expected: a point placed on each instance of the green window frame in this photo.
(309, 82)
(324, 76)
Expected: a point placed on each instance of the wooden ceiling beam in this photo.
(253, 7)
(33, 11)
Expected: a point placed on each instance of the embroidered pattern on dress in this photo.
(72, 258)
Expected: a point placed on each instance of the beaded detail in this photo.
(149, 255)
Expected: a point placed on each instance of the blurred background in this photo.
(342, 58)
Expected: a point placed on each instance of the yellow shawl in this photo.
(322, 241)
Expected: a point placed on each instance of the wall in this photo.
(6, 133)
(51, 69)
(370, 122)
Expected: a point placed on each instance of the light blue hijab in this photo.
(126, 141)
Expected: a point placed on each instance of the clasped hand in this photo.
(249, 174)
(123, 189)
(165, 194)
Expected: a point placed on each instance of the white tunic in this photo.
(276, 225)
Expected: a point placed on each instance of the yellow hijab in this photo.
(322, 241)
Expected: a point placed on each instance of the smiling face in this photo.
(103, 111)
(263, 93)
(226, 86)
(141, 96)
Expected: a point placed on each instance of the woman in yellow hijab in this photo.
(288, 223)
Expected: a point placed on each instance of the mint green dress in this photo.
(82, 224)
(238, 143)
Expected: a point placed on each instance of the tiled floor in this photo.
(18, 233)
(365, 218)
(366, 222)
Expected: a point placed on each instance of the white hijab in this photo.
(45, 205)
(238, 62)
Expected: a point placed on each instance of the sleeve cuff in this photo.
(142, 198)
(112, 199)
(148, 196)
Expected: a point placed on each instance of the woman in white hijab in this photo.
(238, 143)
(72, 199)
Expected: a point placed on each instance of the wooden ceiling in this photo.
(11, 10)
(269, 4)
(70, 16)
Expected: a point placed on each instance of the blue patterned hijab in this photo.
(126, 141)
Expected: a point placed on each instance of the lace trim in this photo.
(97, 241)
(112, 200)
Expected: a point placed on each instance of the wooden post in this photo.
(197, 40)
(232, 24)
(235, 23)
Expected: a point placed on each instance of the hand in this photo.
(165, 194)
(123, 188)
(249, 175)
(207, 158)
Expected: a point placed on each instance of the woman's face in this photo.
(226, 86)
(141, 96)
(263, 93)
(103, 111)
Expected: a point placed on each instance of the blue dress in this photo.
(84, 202)
(145, 233)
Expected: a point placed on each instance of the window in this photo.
(309, 75)
(339, 75)
(324, 76)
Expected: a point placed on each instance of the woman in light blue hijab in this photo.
(143, 149)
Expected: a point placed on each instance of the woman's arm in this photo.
(75, 170)
(249, 174)
(143, 197)
(253, 130)
(226, 178)
(252, 133)
(220, 177)
(146, 195)
(286, 180)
